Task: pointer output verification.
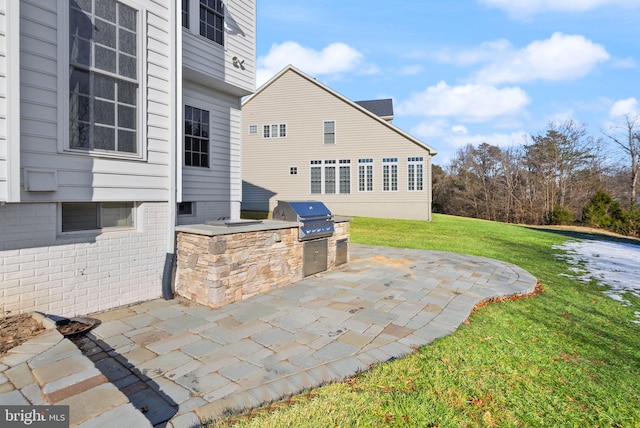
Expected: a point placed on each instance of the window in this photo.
(83, 216)
(330, 176)
(185, 208)
(276, 130)
(185, 13)
(365, 175)
(316, 176)
(253, 129)
(293, 170)
(212, 20)
(345, 176)
(390, 174)
(103, 77)
(330, 132)
(196, 137)
(415, 173)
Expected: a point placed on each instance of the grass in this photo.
(568, 357)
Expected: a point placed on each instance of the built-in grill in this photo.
(313, 217)
(315, 224)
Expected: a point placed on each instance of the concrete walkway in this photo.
(180, 363)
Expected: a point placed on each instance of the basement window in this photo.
(86, 216)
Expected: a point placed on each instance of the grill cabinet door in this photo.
(314, 257)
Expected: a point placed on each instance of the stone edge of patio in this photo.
(50, 370)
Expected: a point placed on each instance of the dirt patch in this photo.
(17, 329)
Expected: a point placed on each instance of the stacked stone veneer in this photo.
(222, 269)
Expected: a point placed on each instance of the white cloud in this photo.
(411, 70)
(523, 8)
(486, 52)
(333, 59)
(561, 57)
(495, 139)
(469, 102)
(621, 108)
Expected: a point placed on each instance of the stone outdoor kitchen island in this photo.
(219, 264)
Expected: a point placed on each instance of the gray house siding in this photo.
(3, 103)
(77, 272)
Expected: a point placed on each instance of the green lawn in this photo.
(569, 357)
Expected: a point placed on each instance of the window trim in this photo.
(324, 134)
(364, 166)
(63, 88)
(192, 209)
(267, 128)
(390, 162)
(193, 27)
(135, 220)
(323, 165)
(412, 163)
(185, 104)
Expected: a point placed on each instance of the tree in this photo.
(627, 138)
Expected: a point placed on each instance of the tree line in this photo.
(562, 176)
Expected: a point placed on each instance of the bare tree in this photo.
(627, 138)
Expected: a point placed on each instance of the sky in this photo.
(465, 71)
(614, 265)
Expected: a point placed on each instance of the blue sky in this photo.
(465, 71)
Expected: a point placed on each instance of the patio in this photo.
(181, 363)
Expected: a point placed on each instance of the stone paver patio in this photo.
(180, 363)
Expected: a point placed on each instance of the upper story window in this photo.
(274, 131)
(196, 137)
(253, 129)
(103, 77)
(415, 173)
(365, 175)
(390, 174)
(185, 13)
(212, 20)
(329, 132)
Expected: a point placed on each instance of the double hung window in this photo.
(103, 77)
(329, 132)
(196, 137)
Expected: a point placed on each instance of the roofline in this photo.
(290, 67)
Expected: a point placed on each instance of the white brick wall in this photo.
(77, 275)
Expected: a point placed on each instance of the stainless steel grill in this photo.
(313, 217)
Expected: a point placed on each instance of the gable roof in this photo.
(382, 108)
(355, 105)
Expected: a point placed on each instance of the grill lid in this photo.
(300, 210)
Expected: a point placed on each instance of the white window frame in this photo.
(253, 129)
(415, 174)
(100, 213)
(389, 172)
(344, 164)
(63, 87)
(324, 133)
(200, 107)
(365, 175)
(194, 23)
(269, 128)
(325, 179)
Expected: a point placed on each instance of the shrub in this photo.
(562, 215)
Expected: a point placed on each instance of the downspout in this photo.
(174, 138)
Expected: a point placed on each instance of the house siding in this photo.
(41, 270)
(83, 177)
(219, 184)
(4, 193)
(205, 60)
(304, 106)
